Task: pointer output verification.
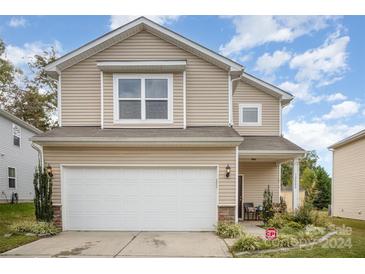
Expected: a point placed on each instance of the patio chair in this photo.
(249, 211)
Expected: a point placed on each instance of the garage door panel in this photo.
(139, 198)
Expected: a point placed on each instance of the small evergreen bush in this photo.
(303, 215)
(268, 209)
(43, 195)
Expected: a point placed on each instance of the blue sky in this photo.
(320, 60)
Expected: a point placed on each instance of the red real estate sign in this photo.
(271, 233)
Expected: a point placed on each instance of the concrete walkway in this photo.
(125, 244)
(251, 227)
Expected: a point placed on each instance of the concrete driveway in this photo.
(125, 244)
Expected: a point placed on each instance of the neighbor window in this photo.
(11, 177)
(250, 114)
(16, 135)
(144, 98)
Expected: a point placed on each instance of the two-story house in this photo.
(160, 133)
(18, 159)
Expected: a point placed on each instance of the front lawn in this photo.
(10, 214)
(337, 247)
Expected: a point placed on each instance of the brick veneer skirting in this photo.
(226, 213)
(57, 216)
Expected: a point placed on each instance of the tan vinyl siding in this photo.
(245, 93)
(257, 176)
(80, 95)
(145, 156)
(349, 180)
(206, 86)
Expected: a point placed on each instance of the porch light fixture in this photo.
(228, 171)
(49, 171)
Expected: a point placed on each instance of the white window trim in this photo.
(12, 178)
(170, 98)
(259, 115)
(20, 135)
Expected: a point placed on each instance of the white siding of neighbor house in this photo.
(349, 180)
(24, 159)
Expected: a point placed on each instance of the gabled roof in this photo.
(285, 96)
(349, 139)
(130, 29)
(19, 122)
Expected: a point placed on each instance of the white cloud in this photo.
(301, 91)
(325, 64)
(342, 110)
(363, 112)
(119, 20)
(267, 63)
(318, 135)
(16, 22)
(245, 58)
(336, 97)
(252, 31)
(21, 56)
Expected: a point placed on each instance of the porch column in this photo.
(295, 184)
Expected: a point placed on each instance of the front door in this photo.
(239, 206)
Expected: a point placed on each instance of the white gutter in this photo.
(137, 139)
(230, 103)
(102, 99)
(184, 97)
(59, 107)
(39, 149)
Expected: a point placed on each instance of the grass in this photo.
(356, 239)
(9, 214)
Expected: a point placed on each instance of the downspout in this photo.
(230, 103)
(39, 149)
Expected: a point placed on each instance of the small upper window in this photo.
(250, 115)
(11, 177)
(16, 135)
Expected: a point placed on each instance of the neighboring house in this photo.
(348, 177)
(159, 133)
(17, 158)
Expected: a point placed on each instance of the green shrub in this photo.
(38, 228)
(280, 220)
(320, 218)
(285, 241)
(303, 215)
(267, 209)
(291, 228)
(228, 230)
(43, 194)
(248, 243)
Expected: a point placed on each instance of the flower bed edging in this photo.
(285, 249)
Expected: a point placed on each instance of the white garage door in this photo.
(139, 198)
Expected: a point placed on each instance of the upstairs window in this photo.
(250, 114)
(143, 98)
(11, 177)
(16, 135)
